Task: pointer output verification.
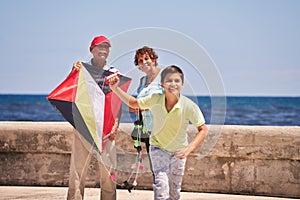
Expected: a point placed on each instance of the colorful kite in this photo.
(88, 104)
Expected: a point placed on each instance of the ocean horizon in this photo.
(240, 110)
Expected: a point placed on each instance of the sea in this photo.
(267, 111)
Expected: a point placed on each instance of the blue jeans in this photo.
(168, 172)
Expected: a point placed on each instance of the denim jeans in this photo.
(168, 172)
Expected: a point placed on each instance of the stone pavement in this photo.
(45, 193)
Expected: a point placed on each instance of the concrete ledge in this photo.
(256, 160)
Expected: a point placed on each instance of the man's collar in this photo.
(105, 67)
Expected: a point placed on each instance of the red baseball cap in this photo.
(98, 40)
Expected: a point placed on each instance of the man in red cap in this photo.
(82, 151)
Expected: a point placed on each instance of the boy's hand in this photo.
(113, 82)
(182, 153)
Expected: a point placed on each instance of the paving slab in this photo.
(43, 193)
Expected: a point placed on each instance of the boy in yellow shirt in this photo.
(169, 146)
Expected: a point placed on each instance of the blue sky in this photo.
(255, 44)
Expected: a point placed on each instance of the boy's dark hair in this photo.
(145, 50)
(170, 70)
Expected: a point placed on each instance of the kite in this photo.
(87, 103)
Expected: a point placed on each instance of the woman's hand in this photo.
(134, 110)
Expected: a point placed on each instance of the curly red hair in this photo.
(143, 51)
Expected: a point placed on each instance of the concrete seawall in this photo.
(256, 160)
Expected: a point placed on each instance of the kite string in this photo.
(138, 159)
(111, 166)
(137, 163)
(86, 161)
(136, 168)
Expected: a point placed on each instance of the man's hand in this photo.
(76, 66)
(113, 133)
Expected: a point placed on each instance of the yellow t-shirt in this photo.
(170, 128)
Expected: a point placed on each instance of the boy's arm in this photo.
(126, 98)
(198, 140)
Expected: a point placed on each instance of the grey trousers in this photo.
(82, 153)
